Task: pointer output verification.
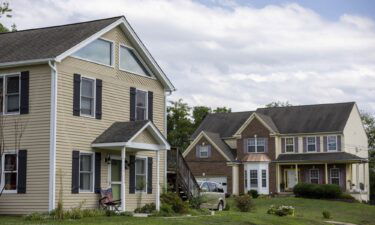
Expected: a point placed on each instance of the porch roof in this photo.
(319, 157)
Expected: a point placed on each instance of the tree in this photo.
(278, 104)
(6, 11)
(369, 123)
(222, 110)
(199, 113)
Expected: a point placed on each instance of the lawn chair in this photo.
(106, 201)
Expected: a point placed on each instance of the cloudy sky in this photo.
(242, 54)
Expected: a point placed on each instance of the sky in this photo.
(242, 54)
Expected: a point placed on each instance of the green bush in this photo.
(326, 214)
(253, 193)
(227, 207)
(128, 214)
(148, 208)
(110, 213)
(243, 203)
(328, 191)
(35, 217)
(172, 199)
(165, 211)
(196, 202)
(281, 210)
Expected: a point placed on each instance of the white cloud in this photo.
(238, 56)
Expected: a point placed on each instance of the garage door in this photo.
(220, 180)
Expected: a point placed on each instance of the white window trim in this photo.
(2, 181)
(289, 145)
(146, 174)
(80, 97)
(146, 116)
(256, 144)
(314, 177)
(328, 143)
(200, 151)
(257, 179)
(261, 178)
(307, 144)
(330, 175)
(139, 58)
(99, 63)
(92, 172)
(5, 76)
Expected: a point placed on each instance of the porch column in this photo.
(235, 179)
(357, 176)
(364, 176)
(157, 180)
(296, 173)
(123, 151)
(278, 178)
(326, 173)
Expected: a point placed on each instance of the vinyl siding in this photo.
(77, 133)
(145, 137)
(36, 139)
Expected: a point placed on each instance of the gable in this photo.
(255, 127)
(216, 155)
(145, 137)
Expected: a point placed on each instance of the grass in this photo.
(308, 211)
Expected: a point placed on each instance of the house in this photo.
(90, 103)
(272, 149)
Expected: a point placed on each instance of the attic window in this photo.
(131, 62)
(98, 51)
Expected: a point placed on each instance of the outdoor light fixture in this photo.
(108, 159)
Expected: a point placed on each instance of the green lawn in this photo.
(308, 211)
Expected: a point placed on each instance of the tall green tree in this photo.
(369, 123)
(222, 110)
(6, 11)
(278, 104)
(199, 113)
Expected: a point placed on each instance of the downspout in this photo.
(166, 136)
(52, 152)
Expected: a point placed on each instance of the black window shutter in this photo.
(75, 172)
(150, 105)
(132, 103)
(98, 158)
(132, 175)
(149, 175)
(76, 95)
(98, 109)
(24, 109)
(22, 165)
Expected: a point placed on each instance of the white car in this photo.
(213, 194)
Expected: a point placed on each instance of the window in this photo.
(203, 151)
(256, 145)
(314, 176)
(129, 61)
(9, 176)
(245, 179)
(87, 96)
(99, 51)
(140, 174)
(253, 178)
(141, 105)
(289, 144)
(311, 144)
(213, 187)
(10, 94)
(264, 178)
(205, 187)
(335, 176)
(332, 143)
(86, 172)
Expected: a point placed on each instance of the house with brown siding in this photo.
(272, 149)
(92, 104)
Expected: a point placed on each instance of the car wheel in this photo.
(220, 207)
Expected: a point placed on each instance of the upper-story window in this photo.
(99, 51)
(203, 151)
(129, 61)
(311, 144)
(87, 96)
(255, 145)
(289, 144)
(332, 143)
(10, 94)
(141, 105)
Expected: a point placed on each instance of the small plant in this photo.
(110, 213)
(253, 193)
(196, 202)
(126, 214)
(281, 210)
(172, 199)
(35, 217)
(147, 208)
(244, 203)
(165, 211)
(326, 214)
(227, 207)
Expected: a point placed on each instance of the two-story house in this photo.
(272, 149)
(84, 109)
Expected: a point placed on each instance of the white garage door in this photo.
(220, 180)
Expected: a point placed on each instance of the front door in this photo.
(116, 178)
(291, 179)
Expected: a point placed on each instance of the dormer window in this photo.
(99, 51)
(311, 144)
(131, 62)
(203, 151)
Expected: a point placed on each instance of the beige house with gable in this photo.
(92, 101)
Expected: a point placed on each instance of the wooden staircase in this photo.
(180, 178)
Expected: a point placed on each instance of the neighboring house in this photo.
(93, 101)
(272, 149)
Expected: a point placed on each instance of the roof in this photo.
(321, 157)
(215, 137)
(268, 120)
(48, 42)
(256, 157)
(120, 132)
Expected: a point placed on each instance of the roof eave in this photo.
(26, 62)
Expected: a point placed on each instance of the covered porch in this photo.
(133, 163)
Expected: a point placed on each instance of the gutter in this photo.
(26, 62)
(52, 152)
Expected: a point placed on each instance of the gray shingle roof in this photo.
(221, 144)
(49, 42)
(320, 157)
(120, 132)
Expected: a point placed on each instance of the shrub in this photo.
(281, 210)
(326, 214)
(253, 193)
(92, 212)
(175, 201)
(148, 208)
(243, 203)
(196, 202)
(165, 211)
(128, 214)
(35, 217)
(329, 191)
(227, 207)
(110, 213)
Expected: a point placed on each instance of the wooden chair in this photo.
(106, 201)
